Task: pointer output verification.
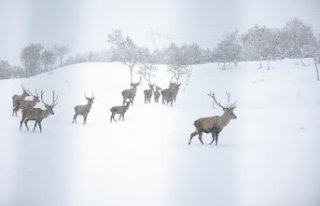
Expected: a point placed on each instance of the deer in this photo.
(157, 93)
(169, 95)
(24, 104)
(17, 97)
(129, 94)
(148, 93)
(38, 114)
(214, 124)
(83, 109)
(121, 110)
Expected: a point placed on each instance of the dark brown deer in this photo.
(157, 94)
(215, 124)
(25, 104)
(17, 97)
(83, 109)
(121, 110)
(38, 114)
(148, 93)
(129, 94)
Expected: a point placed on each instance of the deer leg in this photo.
(40, 127)
(213, 137)
(21, 124)
(192, 135)
(74, 118)
(200, 137)
(84, 119)
(34, 127)
(217, 135)
(26, 123)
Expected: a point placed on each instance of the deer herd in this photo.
(213, 124)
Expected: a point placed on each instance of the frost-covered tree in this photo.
(125, 50)
(48, 58)
(228, 49)
(148, 68)
(30, 57)
(177, 62)
(256, 41)
(61, 52)
(300, 38)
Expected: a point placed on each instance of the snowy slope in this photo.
(268, 156)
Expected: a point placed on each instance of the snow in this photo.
(268, 156)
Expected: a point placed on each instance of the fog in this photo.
(84, 25)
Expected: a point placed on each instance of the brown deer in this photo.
(215, 124)
(169, 95)
(25, 104)
(83, 109)
(17, 97)
(121, 110)
(157, 94)
(148, 93)
(38, 114)
(129, 94)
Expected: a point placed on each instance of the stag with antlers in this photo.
(215, 124)
(83, 109)
(25, 104)
(17, 97)
(38, 114)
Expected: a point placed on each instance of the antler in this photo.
(233, 105)
(214, 99)
(92, 96)
(54, 99)
(230, 106)
(36, 93)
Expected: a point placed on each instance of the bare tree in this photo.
(30, 57)
(125, 50)
(215, 124)
(61, 52)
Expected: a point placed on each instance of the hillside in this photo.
(268, 156)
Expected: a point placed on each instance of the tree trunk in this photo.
(131, 74)
(316, 66)
(224, 65)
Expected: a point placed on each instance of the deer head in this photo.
(228, 109)
(89, 99)
(35, 96)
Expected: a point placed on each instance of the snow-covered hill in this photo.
(268, 156)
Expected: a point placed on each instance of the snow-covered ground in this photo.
(269, 156)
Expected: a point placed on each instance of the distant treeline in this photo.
(260, 43)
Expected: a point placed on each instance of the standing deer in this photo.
(157, 94)
(169, 95)
(129, 94)
(24, 104)
(121, 110)
(215, 124)
(83, 109)
(17, 97)
(38, 114)
(148, 93)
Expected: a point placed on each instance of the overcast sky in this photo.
(84, 24)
